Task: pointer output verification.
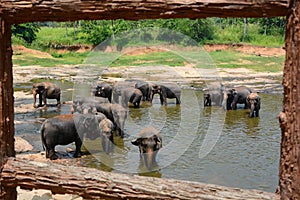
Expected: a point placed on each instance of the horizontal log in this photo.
(20, 11)
(95, 184)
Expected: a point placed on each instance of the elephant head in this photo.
(149, 142)
(253, 101)
(106, 128)
(228, 96)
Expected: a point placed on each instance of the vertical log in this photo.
(6, 104)
(289, 118)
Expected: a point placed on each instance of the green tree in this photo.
(26, 31)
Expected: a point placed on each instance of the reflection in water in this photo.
(246, 153)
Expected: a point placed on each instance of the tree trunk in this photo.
(6, 104)
(94, 184)
(289, 118)
(245, 29)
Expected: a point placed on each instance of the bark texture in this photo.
(6, 103)
(289, 118)
(20, 11)
(94, 184)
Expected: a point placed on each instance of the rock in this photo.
(22, 145)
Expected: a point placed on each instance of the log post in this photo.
(91, 183)
(6, 105)
(289, 118)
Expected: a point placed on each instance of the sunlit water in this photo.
(237, 151)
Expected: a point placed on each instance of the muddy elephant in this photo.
(45, 90)
(103, 90)
(166, 90)
(144, 87)
(131, 95)
(116, 113)
(253, 102)
(234, 96)
(213, 94)
(65, 129)
(149, 142)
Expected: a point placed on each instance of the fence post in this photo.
(6, 105)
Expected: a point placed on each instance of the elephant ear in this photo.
(158, 142)
(136, 141)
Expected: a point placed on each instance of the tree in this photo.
(26, 31)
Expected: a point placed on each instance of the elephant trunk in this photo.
(252, 108)
(149, 158)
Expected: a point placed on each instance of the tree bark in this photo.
(6, 104)
(20, 11)
(95, 184)
(289, 118)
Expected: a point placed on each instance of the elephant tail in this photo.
(42, 130)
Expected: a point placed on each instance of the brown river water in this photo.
(200, 144)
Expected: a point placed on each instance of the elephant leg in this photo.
(51, 154)
(44, 99)
(78, 144)
(178, 100)
(58, 101)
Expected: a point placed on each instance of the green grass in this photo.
(153, 59)
(71, 58)
(233, 59)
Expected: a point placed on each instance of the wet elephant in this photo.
(103, 90)
(167, 90)
(65, 129)
(253, 102)
(234, 96)
(131, 95)
(213, 94)
(86, 105)
(46, 90)
(144, 87)
(149, 142)
(116, 113)
(119, 87)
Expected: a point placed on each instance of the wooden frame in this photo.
(15, 172)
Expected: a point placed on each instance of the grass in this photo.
(26, 59)
(234, 59)
(153, 59)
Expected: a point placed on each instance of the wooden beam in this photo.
(6, 104)
(20, 11)
(95, 184)
(289, 118)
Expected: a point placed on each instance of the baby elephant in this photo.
(253, 101)
(46, 90)
(149, 142)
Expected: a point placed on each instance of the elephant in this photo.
(213, 94)
(131, 95)
(46, 90)
(234, 96)
(167, 90)
(118, 87)
(86, 105)
(253, 102)
(68, 128)
(149, 142)
(103, 90)
(116, 113)
(106, 128)
(144, 87)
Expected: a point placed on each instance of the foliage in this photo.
(26, 31)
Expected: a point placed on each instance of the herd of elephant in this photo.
(105, 112)
(229, 97)
(101, 114)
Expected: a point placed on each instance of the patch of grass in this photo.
(70, 58)
(153, 59)
(233, 59)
